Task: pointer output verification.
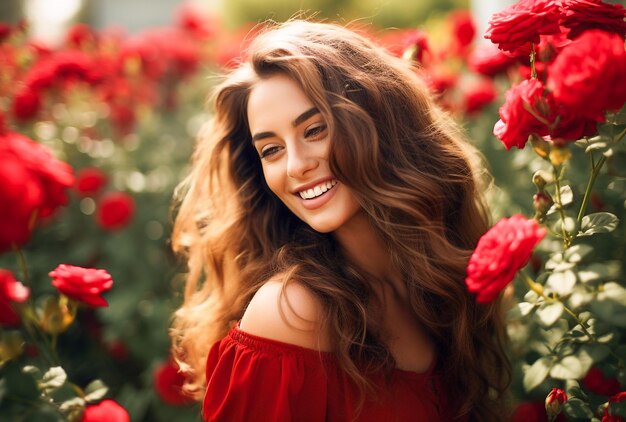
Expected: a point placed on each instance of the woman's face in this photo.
(291, 137)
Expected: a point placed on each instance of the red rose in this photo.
(463, 29)
(516, 122)
(33, 185)
(168, 383)
(90, 180)
(554, 402)
(80, 36)
(608, 416)
(82, 284)
(115, 210)
(581, 15)
(500, 253)
(192, 20)
(596, 382)
(105, 411)
(26, 104)
(522, 23)
(479, 95)
(11, 290)
(489, 60)
(587, 76)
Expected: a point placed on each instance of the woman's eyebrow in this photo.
(304, 116)
(301, 118)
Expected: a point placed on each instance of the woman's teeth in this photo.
(318, 190)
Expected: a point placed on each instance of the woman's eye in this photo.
(315, 131)
(269, 151)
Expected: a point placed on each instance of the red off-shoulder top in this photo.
(251, 378)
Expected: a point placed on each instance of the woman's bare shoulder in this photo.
(291, 316)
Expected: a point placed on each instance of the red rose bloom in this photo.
(587, 76)
(597, 383)
(26, 104)
(105, 411)
(168, 383)
(90, 180)
(489, 60)
(479, 95)
(34, 184)
(11, 290)
(516, 122)
(500, 253)
(522, 23)
(463, 29)
(82, 284)
(582, 15)
(115, 210)
(417, 40)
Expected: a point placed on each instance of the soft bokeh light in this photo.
(49, 18)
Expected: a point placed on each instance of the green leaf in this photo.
(95, 391)
(561, 282)
(599, 271)
(571, 367)
(567, 196)
(577, 253)
(572, 389)
(525, 308)
(596, 352)
(71, 404)
(537, 372)
(54, 378)
(549, 313)
(599, 222)
(578, 409)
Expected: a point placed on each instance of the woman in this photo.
(327, 222)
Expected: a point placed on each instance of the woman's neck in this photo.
(363, 246)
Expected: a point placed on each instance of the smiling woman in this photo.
(327, 223)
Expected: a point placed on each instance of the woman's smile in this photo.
(292, 139)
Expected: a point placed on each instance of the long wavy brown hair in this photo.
(414, 175)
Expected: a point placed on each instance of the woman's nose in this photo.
(300, 161)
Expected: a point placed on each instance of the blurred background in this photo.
(117, 88)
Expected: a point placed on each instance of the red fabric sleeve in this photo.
(251, 378)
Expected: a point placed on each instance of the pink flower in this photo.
(522, 23)
(582, 15)
(587, 76)
(11, 290)
(115, 210)
(82, 284)
(105, 411)
(516, 120)
(500, 253)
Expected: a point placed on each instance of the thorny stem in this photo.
(21, 261)
(595, 170)
(567, 239)
(533, 70)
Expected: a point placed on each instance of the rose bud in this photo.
(542, 203)
(554, 402)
